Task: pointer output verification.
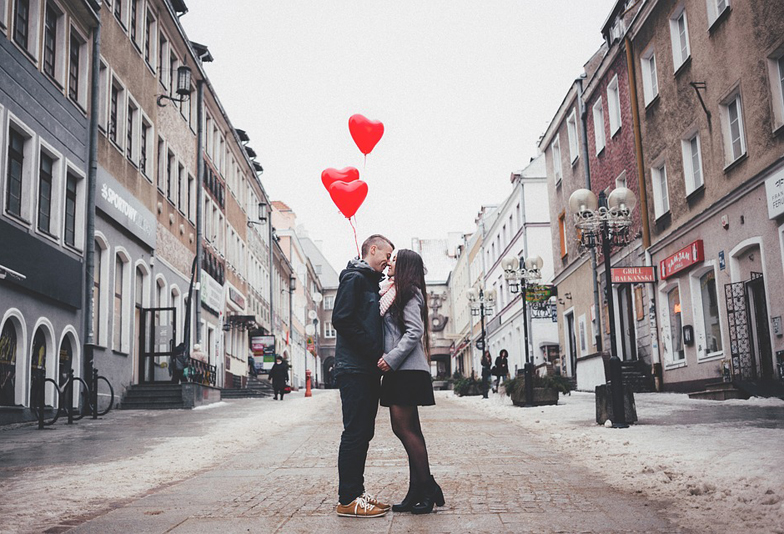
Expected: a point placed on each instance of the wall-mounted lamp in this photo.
(184, 89)
(292, 283)
(568, 296)
(262, 215)
(561, 302)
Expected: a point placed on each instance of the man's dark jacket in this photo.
(357, 320)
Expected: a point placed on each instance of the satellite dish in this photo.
(312, 314)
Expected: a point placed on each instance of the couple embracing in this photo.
(382, 330)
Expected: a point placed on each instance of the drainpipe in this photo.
(586, 166)
(92, 172)
(646, 230)
(199, 198)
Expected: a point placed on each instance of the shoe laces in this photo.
(364, 502)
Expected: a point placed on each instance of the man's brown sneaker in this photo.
(360, 507)
(375, 502)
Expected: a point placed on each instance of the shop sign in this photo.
(633, 275)
(683, 259)
(774, 192)
(534, 294)
(119, 204)
(211, 292)
(237, 298)
(263, 348)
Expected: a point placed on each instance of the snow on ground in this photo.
(717, 463)
(71, 491)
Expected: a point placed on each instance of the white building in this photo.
(521, 229)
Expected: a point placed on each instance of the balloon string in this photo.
(364, 163)
(355, 235)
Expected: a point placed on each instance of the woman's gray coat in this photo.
(403, 351)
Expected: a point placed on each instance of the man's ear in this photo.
(372, 250)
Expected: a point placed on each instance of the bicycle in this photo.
(67, 398)
(102, 398)
(38, 402)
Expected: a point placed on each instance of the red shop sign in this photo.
(683, 259)
(633, 275)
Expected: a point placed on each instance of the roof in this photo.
(281, 206)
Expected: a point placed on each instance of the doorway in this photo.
(628, 338)
(571, 342)
(755, 292)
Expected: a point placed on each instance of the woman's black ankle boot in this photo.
(431, 496)
(408, 501)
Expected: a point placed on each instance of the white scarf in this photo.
(387, 292)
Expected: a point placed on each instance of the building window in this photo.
(620, 181)
(614, 105)
(169, 171)
(144, 147)
(329, 302)
(160, 167)
(692, 163)
(103, 80)
(650, 81)
(734, 142)
(180, 180)
(557, 165)
(150, 28)
(133, 26)
(571, 127)
(118, 11)
(191, 196)
(130, 134)
(69, 230)
(562, 233)
(679, 34)
(163, 56)
(676, 330)
(598, 125)
(710, 313)
(45, 178)
(113, 113)
(52, 19)
(715, 9)
(22, 23)
(661, 199)
(14, 178)
(329, 331)
(119, 326)
(97, 275)
(74, 68)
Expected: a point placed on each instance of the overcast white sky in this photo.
(464, 89)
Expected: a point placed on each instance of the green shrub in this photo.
(467, 386)
(556, 382)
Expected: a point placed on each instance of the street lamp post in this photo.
(520, 279)
(606, 219)
(482, 303)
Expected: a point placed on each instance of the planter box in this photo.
(542, 397)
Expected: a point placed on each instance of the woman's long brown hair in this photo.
(410, 275)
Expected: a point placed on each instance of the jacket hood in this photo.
(357, 265)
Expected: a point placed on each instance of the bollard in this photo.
(94, 394)
(41, 398)
(308, 393)
(68, 396)
(616, 379)
(529, 384)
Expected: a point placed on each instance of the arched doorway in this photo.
(8, 357)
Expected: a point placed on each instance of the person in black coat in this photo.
(487, 363)
(279, 375)
(501, 367)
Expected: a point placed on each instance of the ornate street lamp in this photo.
(521, 279)
(606, 222)
(482, 303)
(184, 89)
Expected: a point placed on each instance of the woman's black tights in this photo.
(405, 425)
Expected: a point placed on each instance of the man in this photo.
(359, 345)
(279, 375)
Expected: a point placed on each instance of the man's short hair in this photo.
(375, 239)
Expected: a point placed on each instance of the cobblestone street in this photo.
(281, 476)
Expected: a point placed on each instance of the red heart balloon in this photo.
(348, 196)
(330, 176)
(365, 132)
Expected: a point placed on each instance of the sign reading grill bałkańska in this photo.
(633, 275)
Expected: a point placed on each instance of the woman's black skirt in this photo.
(407, 388)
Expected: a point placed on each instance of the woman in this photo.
(487, 372)
(501, 367)
(279, 375)
(406, 383)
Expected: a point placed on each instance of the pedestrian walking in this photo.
(252, 366)
(359, 344)
(501, 367)
(406, 384)
(279, 374)
(487, 372)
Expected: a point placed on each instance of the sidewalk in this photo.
(259, 466)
